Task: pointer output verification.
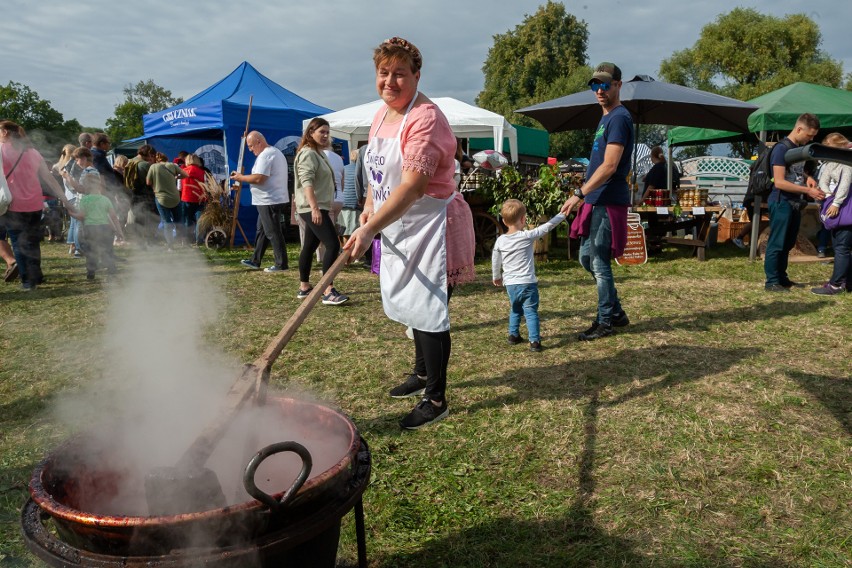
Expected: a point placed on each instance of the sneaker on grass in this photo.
(412, 386)
(302, 294)
(274, 269)
(739, 243)
(424, 413)
(249, 264)
(334, 298)
(828, 289)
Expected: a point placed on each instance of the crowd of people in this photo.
(398, 200)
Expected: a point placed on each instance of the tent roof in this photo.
(779, 111)
(246, 82)
(220, 103)
(467, 121)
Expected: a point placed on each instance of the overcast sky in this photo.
(79, 56)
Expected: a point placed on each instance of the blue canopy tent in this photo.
(211, 124)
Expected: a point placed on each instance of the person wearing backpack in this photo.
(789, 184)
(143, 204)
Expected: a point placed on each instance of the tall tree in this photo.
(542, 58)
(142, 98)
(745, 54)
(44, 125)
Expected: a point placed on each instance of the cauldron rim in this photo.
(61, 511)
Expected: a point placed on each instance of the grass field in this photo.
(713, 431)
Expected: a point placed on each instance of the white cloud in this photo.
(81, 56)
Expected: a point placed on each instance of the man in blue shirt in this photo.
(607, 192)
(784, 215)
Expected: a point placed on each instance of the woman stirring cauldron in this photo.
(427, 243)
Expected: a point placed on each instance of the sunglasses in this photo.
(602, 86)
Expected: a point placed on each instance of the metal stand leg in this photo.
(360, 534)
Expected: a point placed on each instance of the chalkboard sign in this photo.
(635, 252)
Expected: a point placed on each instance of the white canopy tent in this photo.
(467, 121)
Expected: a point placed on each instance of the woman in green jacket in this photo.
(314, 186)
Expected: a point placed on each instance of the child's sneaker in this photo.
(738, 243)
(535, 346)
(515, 339)
(424, 413)
(412, 386)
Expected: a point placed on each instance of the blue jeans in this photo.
(169, 216)
(596, 257)
(842, 260)
(189, 213)
(784, 221)
(523, 300)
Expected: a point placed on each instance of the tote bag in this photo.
(842, 219)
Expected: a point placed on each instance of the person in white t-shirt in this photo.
(513, 256)
(268, 183)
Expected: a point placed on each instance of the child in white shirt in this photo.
(513, 256)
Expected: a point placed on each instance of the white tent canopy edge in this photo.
(467, 121)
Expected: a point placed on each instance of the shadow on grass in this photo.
(834, 393)
(674, 363)
(575, 539)
(697, 321)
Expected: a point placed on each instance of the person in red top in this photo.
(192, 194)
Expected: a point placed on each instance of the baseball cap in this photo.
(606, 72)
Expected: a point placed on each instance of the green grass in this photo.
(713, 431)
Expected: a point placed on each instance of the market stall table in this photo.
(661, 221)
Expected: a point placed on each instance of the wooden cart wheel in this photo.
(486, 229)
(216, 238)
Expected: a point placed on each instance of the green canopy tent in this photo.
(779, 111)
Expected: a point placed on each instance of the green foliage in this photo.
(541, 59)
(142, 98)
(745, 54)
(44, 125)
(542, 196)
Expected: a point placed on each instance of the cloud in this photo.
(80, 57)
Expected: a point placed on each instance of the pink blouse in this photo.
(24, 182)
(429, 147)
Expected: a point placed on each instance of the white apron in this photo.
(413, 273)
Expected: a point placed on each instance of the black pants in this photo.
(431, 358)
(324, 233)
(269, 231)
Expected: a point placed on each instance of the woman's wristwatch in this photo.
(579, 193)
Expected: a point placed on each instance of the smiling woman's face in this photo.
(396, 83)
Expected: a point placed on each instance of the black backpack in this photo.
(760, 179)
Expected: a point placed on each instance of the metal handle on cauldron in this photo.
(254, 463)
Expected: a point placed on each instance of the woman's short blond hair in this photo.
(120, 161)
(836, 139)
(512, 210)
(193, 160)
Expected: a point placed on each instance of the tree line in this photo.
(742, 54)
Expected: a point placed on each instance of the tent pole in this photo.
(755, 216)
(634, 185)
(669, 167)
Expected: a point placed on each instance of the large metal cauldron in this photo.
(304, 532)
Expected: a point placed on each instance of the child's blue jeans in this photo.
(523, 299)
